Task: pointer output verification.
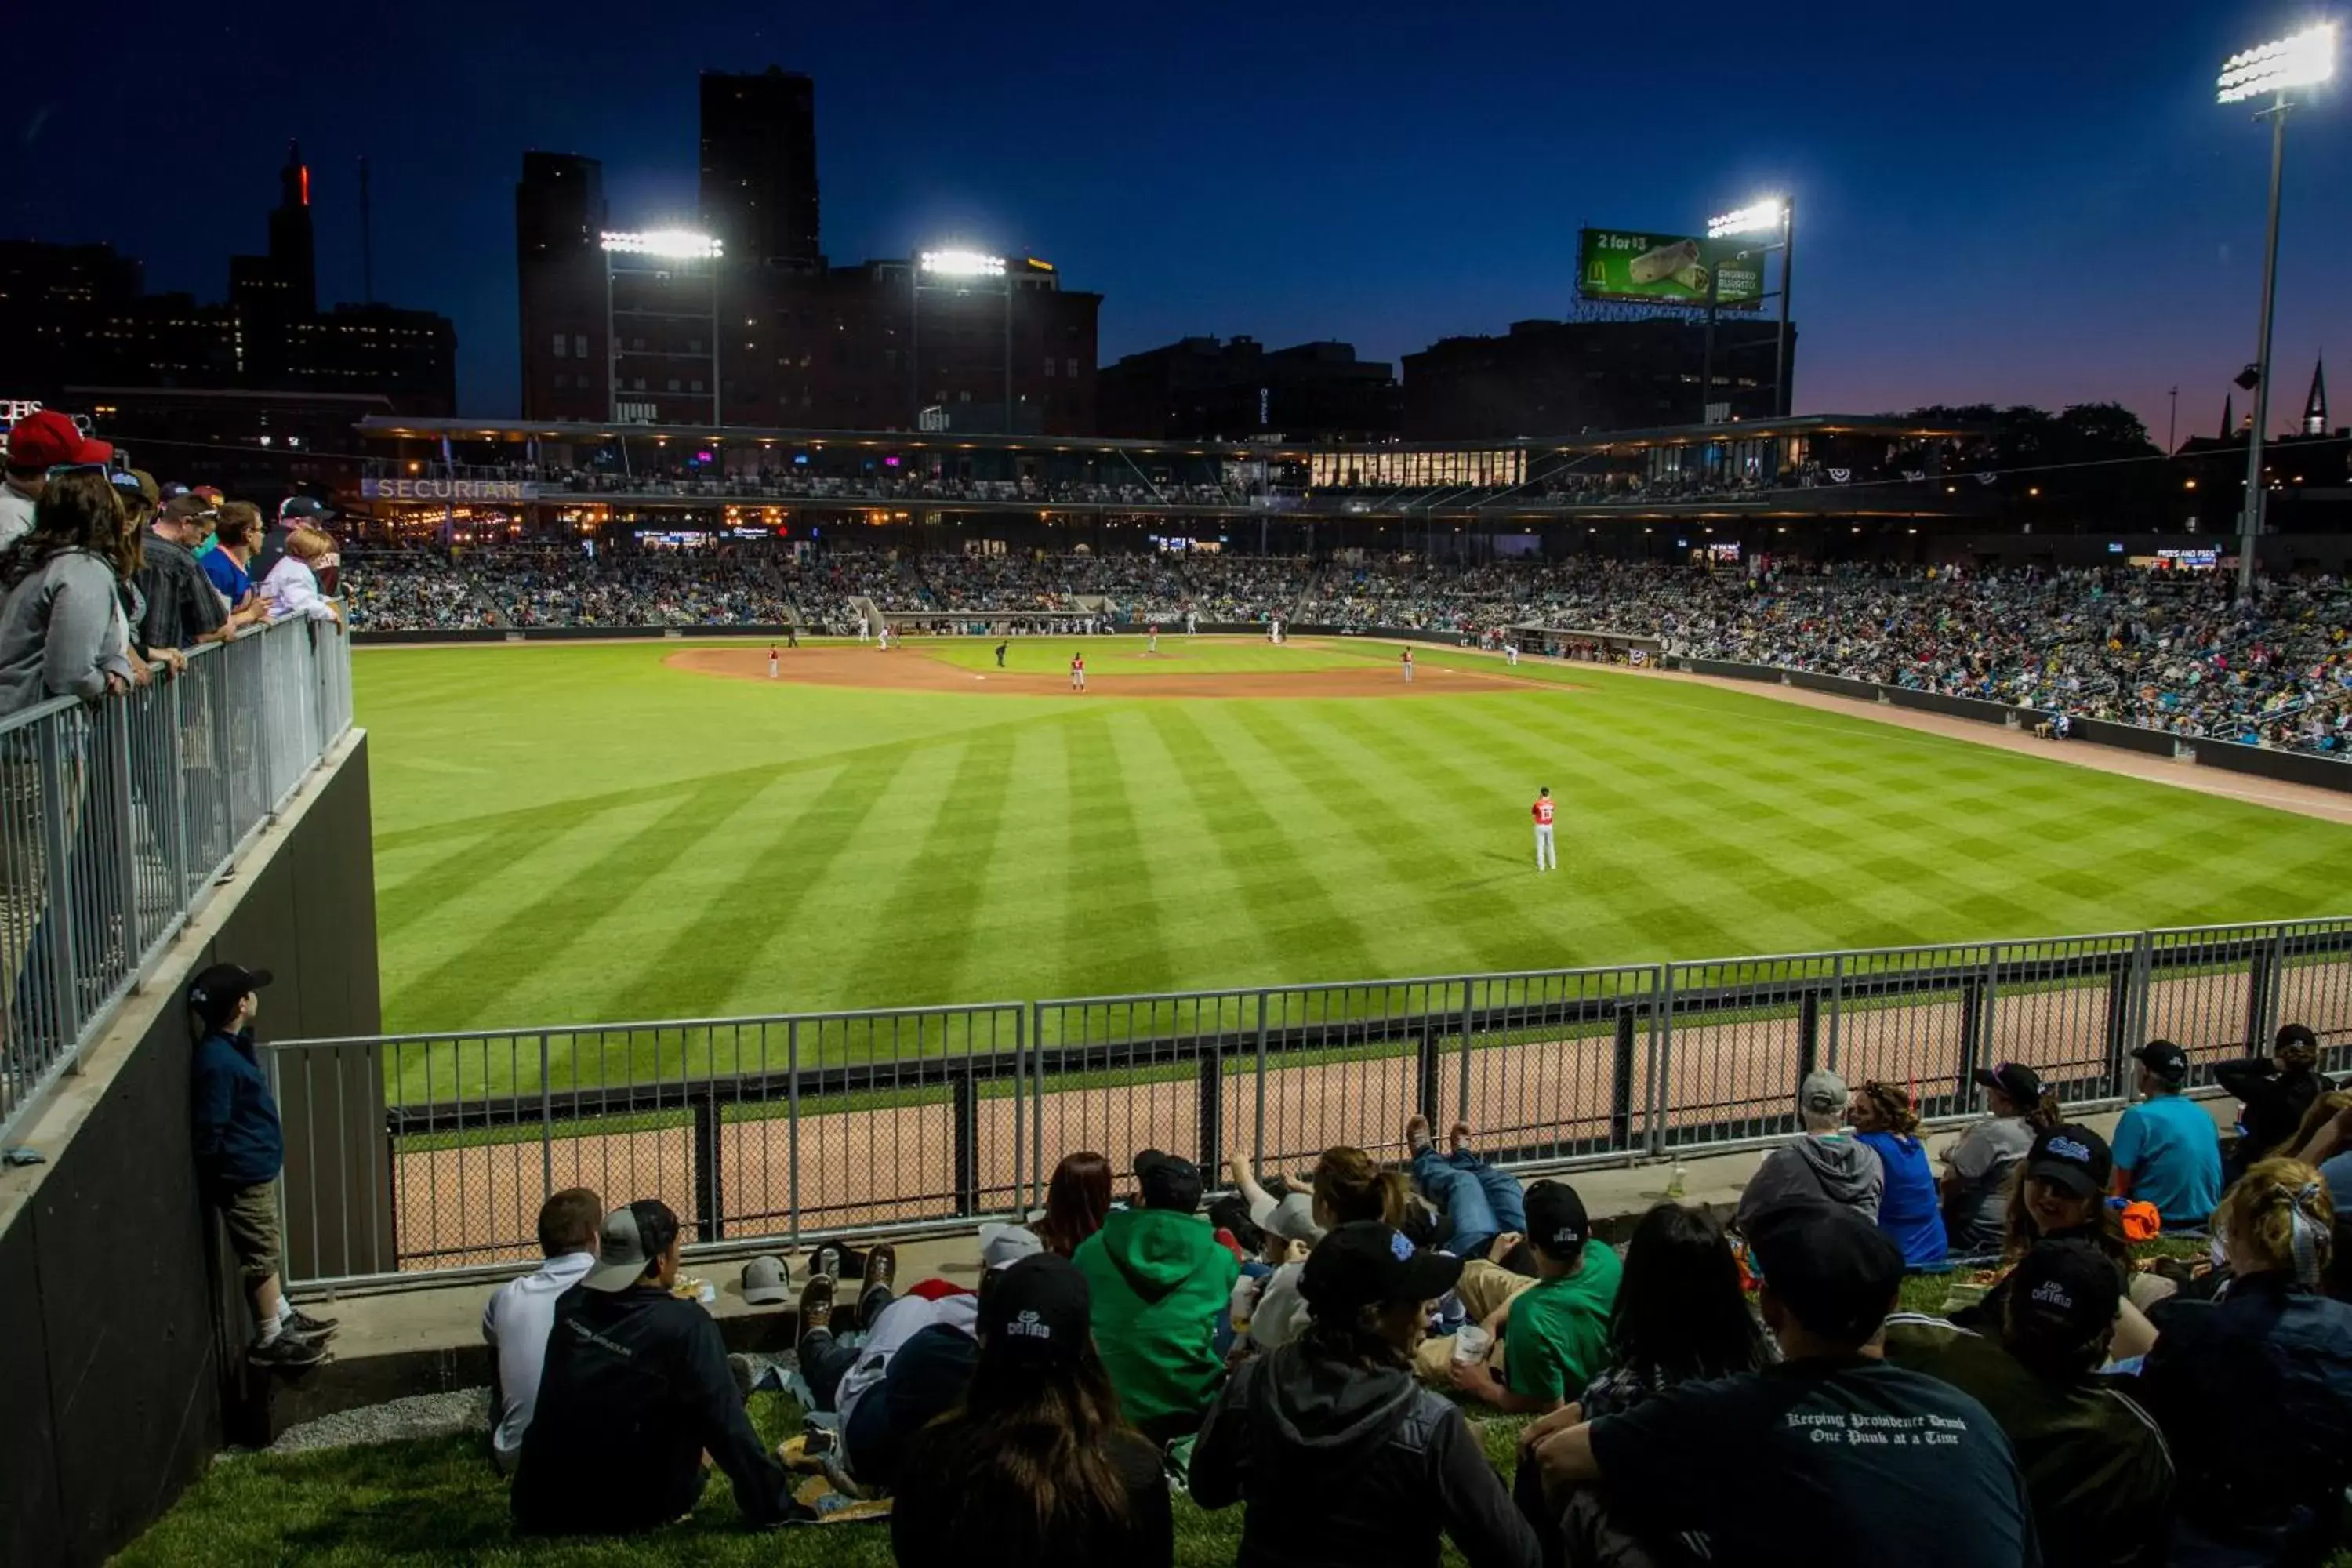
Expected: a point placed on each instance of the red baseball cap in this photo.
(49, 439)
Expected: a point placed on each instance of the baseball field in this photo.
(589, 832)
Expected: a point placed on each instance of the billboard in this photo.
(1667, 270)
(432, 490)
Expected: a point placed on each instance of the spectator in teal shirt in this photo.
(2167, 1151)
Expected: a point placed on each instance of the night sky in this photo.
(1998, 201)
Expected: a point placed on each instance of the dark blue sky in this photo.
(2004, 202)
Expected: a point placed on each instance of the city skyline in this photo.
(1974, 225)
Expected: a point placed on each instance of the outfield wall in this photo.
(121, 1325)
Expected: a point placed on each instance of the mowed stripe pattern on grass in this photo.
(577, 834)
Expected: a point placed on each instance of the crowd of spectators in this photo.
(788, 482)
(112, 579)
(1701, 1394)
(2171, 651)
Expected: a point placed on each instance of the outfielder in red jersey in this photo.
(1077, 672)
(1154, 647)
(1547, 856)
(1407, 662)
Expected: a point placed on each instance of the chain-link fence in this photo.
(118, 817)
(431, 1155)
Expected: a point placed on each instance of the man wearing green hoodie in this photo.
(1158, 1277)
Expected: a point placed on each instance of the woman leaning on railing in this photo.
(64, 630)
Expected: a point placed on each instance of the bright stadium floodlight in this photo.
(962, 264)
(2306, 59)
(679, 244)
(2273, 70)
(1764, 216)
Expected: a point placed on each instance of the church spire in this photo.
(2229, 415)
(2314, 407)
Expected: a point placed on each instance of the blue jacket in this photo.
(238, 1141)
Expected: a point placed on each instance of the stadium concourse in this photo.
(2168, 651)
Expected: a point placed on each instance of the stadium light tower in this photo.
(1772, 215)
(2272, 71)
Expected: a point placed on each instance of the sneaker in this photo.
(746, 1373)
(287, 1353)
(816, 1303)
(303, 1324)
(1416, 1135)
(1456, 1136)
(881, 1270)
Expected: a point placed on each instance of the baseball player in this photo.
(772, 661)
(1546, 856)
(1077, 672)
(1000, 654)
(1407, 661)
(1154, 645)
(861, 628)
(1192, 621)
(792, 634)
(1511, 653)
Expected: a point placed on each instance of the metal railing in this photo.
(425, 1157)
(117, 819)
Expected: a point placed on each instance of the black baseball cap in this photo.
(1035, 1311)
(214, 993)
(2073, 1157)
(304, 509)
(1556, 1219)
(1365, 1263)
(2063, 1291)
(1836, 1272)
(2015, 1079)
(1168, 1181)
(631, 1237)
(2165, 1060)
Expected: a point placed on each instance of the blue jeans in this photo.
(1482, 1201)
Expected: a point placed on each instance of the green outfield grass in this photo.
(577, 833)
(1131, 656)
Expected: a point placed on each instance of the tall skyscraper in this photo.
(291, 253)
(759, 167)
(559, 218)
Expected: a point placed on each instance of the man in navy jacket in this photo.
(239, 1151)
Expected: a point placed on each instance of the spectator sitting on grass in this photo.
(1077, 1200)
(240, 1148)
(635, 1393)
(1681, 1317)
(1034, 1467)
(2096, 1465)
(1479, 1202)
(2059, 1194)
(2254, 1389)
(2168, 1152)
(1158, 1279)
(2275, 1091)
(1341, 1458)
(1828, 1164)
(516, 1321)
(1797, 1462)
(1348, 1186)
(1976, 1180)
(1909, 1211)
(1557, 1329)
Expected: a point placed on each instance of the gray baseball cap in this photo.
(1292, 1219)
(1001, 1245)
(1822, 1092)
(633, 1236)
(767, 1283)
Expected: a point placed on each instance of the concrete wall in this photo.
(121, 1321)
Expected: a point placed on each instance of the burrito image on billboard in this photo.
(1666, 261)
(1643, 268)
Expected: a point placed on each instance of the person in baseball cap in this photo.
(635, 1390)
(1828, 1162)
(1977, 1168)
(1033, 1463)
(1159, 1278)
(294, 513)
(2073, 1158)
(1830, 1275)
(36, 444)
(218, 993)
(2098, 1472)
(1339, 1454)
(2167, 1148)
(1559, 1325)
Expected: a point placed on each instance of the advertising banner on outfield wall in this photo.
(1667, 269)
(448, 489)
